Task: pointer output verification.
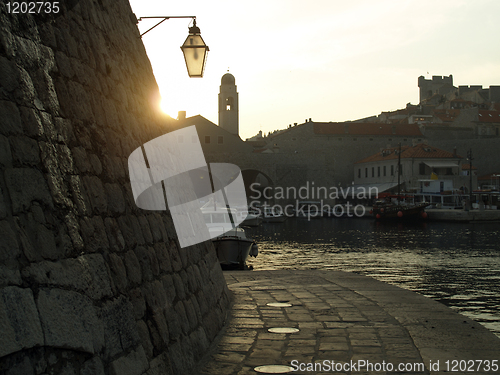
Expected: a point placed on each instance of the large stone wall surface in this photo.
(89, 283)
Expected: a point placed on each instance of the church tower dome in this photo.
(228, 104)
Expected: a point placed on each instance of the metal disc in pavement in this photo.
(283, 330)
(274, 369)
(279, 304)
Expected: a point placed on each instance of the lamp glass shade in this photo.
(195, 54)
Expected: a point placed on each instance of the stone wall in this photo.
(89, 283)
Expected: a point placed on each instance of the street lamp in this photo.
(194, 48)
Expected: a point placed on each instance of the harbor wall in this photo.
(89, 283)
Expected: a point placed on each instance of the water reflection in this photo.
(457, 264)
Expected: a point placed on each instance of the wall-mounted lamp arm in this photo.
(163, 20)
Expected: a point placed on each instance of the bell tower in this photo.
(228, 104)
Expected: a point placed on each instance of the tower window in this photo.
(229, 103)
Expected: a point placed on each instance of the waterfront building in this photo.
(423, 170)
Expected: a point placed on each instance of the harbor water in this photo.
(457, 264)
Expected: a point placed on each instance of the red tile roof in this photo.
(366, 128)
(488, 116)
(466, 167)
(419, 151)
(446, 115)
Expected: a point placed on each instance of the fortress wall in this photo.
(89, 283)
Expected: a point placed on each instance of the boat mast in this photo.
(399, 173)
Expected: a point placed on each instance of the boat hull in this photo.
(399, 212)
(232, 251)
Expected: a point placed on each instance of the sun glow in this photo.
(166, 107)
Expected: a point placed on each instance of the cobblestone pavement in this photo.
(345, 318)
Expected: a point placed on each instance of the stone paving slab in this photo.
(345, 318)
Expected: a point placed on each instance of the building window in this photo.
(373, 171)
(378, 171)
(421, 169)
(366, 172)
(392, 170)
(359, 173)
(220, 139)
(385, 171)
(207, 139)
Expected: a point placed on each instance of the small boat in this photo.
(233, 249)
(308, 209)
(230, 242)
(399, 210)
(271, 216)
(250, 219)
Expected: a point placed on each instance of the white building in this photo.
(425, 170)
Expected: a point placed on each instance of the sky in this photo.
(328, 60)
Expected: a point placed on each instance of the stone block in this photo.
(155, 295)
(163, 257)
(23, 367)
(118, 272)
(138, 302)
(120, 328)
(11, 118)
(127, 230)
(133, 266)
(160, 365)
(9, 75)
(199, 342)
(25, 186)
(64, 65)
(169, 287)
(69, 320)
(114, 196)
(86, 274)
(79, 195)
(10, 275)
(32, 124)
(191, 314)
(146, 230)
(96, 194)
(115, 237)
(181, 314)
(134, 363)
(143, 331)
(154, 225)
(64, 130)
(94, 234)
(9, 247)
(46, 242)
(95, 163)
(134, 221)
(93, 366)
(5, 152)
(19, 322)
(143, 256)
(74, 232)
(179, 286)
